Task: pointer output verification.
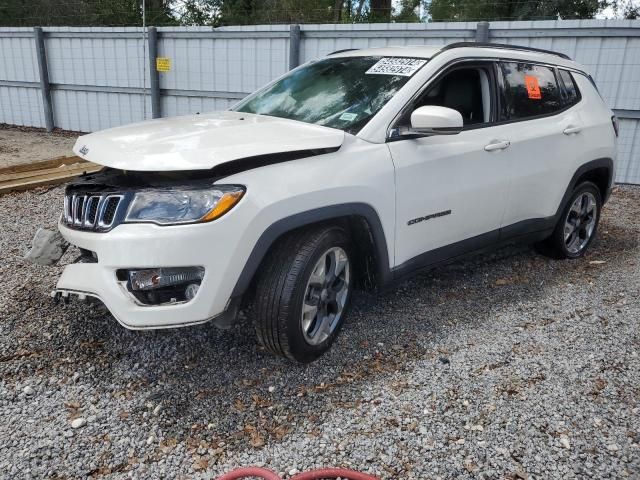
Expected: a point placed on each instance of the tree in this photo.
(26, 13)
(199, 12)
(473, 10)
(251, 12)
(408, 11)
(628, 9)
(380, 10)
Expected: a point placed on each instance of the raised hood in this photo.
(201, 141)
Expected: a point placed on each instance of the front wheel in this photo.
(577, 225)
(303, 293)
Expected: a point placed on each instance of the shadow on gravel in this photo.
(209, 380)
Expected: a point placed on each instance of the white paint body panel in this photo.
(448, 172)
(543, 159)
(223, 246)
(200, 141)
(401, 180)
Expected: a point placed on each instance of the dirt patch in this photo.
(27, 145)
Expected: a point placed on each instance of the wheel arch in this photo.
(362, 222)
(599, 171)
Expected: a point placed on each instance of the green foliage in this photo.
(629, 9)
(203, 12)
(408, 11)
(472, 10)
(26, 13)
(200, 12)
(251, 12)
(240, 12)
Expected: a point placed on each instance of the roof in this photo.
(415, 51)
(466, 49)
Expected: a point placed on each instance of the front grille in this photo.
(110, 208)
(90, 211)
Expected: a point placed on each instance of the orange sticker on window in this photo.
(533, 88)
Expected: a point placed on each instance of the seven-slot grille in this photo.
(91, 212)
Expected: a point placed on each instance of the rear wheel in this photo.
(577, 225)
(303, 293)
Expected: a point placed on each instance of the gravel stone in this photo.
(78, 423)
(538, 353)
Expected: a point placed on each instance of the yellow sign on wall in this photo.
(163, 64)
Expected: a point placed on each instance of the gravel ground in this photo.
(19, 145)
(506, 366)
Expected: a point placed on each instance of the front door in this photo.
(451, 190)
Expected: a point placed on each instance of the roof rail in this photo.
(503, 46)
(343, 50)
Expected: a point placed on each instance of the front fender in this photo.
(309, 217)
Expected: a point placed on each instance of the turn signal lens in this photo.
(225, 204)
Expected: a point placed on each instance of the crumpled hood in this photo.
(198, 142)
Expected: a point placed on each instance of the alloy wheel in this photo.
(580, 222)
(325, 295)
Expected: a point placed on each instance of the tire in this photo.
(580, 217)
(290, 285)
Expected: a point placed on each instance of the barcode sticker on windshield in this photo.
(349, 117)
(396, 66)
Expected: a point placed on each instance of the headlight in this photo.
(170, 207)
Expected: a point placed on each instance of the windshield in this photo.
(342, 93)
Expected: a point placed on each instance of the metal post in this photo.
(294, 46)
(154, 76)
(45, 87)
(482, 32)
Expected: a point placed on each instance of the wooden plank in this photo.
(68, 172)
(53, 163)
(46, 171)
(50, 177)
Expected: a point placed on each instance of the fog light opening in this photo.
(154, 278)
(169, 285)
(191, 291)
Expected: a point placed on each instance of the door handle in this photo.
(571, 130)
(497, 146)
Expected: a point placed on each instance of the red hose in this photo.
(323, 473)
(333, 473)
(245, 472)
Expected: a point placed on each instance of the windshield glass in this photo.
(341, 93)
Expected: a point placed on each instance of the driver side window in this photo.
(466, 89)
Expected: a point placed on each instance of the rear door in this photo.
(546, 135)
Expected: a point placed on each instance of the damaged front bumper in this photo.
(147, 246)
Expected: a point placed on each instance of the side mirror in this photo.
(434, 120)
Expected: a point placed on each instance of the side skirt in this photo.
(527, 231)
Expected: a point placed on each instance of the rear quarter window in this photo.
(571, 95)
(528, 91)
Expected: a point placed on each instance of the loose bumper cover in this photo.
(140, 246)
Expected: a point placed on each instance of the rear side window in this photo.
(571, 95)
(528, 91)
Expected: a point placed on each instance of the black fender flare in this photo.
(309, 217)
(585, 168)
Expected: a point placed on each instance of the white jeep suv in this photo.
(351, 171)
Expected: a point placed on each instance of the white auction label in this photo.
(396, 66)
